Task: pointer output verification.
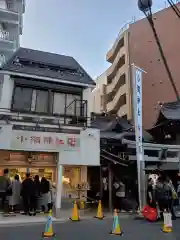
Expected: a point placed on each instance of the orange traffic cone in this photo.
(75, 213)
(99, 214)
(116, 230)
(167, 225)
(48, 233)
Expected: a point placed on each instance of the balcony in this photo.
(75, 115)
(112, 53)
(118, 101)
(6, 42)
(8, 16)
(110, 87)
(119, 42)
(118, 63)
(120, 82)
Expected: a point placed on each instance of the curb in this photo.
(13, 222)
(21, 223)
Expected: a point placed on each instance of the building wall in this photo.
(7, 85)
(97, 97)
(145, 54)
(118, 88)
(11, 25)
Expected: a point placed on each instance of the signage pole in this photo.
(137, 107)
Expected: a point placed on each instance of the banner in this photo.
(138, 116)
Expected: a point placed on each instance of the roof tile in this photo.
(51, 59)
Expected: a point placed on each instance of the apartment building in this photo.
(136, 44)
(118, 88)
(11, 27)
(144, 53)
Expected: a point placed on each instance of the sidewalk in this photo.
(18, 219)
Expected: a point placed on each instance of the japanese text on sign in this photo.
(138, 85)
(70, 141)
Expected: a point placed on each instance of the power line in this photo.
(150, 19)
(145, 7)
(174, 7)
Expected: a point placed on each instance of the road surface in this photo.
(93, 229)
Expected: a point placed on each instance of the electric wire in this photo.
(174, 7)
(151, 22)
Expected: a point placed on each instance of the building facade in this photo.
(136, 44)
(11, 27)
(118, 93)
(144, 53)
(98, 95)
(44, 121)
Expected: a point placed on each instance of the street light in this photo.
(145, 6)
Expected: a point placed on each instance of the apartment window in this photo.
(22, 98)
(42, 101)
(71, 104)
(59, 103)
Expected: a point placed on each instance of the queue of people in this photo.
(31, 192)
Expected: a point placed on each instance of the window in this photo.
(42, 101)
(59, 103)
(70, 104)
(22, 98)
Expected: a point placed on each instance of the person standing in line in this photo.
(14, 199)
(38, 190)
(46, 195)
(28, 193)
(5, 188)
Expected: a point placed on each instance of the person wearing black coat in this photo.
(28, 193)
(46, 195)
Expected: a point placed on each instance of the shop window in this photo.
(22, 98)
(59, 103)
(42, 101)
(71, 179)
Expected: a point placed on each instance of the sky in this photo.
(83, 29)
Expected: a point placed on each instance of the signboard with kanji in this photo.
(41, 141)
(71, 149)
(138, 108)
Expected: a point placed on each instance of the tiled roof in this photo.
(171, 110)
(50, 59)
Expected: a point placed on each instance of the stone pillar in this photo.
(58, 187)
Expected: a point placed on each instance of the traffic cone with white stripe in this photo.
(167, 225)
(116, 229)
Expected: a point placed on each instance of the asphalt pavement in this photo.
(93, 229)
